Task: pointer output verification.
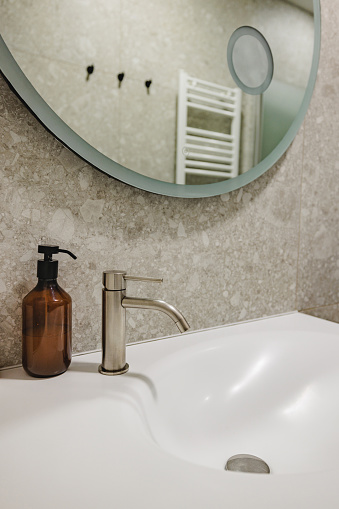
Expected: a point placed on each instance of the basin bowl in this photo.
(160, 435)
(268, 393)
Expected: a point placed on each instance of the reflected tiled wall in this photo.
(126, 124)
(268, 248)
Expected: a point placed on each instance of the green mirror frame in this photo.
(53, 123)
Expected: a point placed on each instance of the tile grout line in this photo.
(300, 208)
(323, 306)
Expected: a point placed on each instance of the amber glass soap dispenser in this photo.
(47, 321)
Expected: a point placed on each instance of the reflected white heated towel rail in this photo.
(200, 151)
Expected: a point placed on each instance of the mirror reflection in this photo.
(147, 83)
(250, 60)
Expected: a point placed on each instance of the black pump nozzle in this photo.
(51, 250)
(48, 268)
(68, 252)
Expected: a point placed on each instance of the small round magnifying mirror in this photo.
(250, 60)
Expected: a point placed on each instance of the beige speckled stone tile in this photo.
(223, 259)
(90, 108)
(194, 36)
(148, 129)
(76, 32)
(183, 33)
(318, 280)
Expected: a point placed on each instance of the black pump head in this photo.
(48, 268)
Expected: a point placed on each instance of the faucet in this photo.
(114, 304)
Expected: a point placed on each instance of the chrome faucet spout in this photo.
(114, 304)
(158, 305)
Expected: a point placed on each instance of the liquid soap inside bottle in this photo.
(47, 330)
(47, 323)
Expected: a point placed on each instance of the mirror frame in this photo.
(22, 87)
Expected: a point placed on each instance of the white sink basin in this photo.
(267, 394)
(159, 436)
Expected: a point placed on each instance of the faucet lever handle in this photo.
(144, 279)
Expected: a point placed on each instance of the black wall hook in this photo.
(90, 70)
(120, 78)
(148, 83)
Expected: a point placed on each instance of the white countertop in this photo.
(80, 441)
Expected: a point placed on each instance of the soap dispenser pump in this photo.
(47, 321)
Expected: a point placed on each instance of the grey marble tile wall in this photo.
(318, 274)
(268, 248)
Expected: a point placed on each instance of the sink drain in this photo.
(247, 463)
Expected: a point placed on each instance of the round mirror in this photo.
(143, 92)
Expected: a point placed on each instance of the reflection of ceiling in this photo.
(307, 5)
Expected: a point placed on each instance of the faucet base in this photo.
(104, 371)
